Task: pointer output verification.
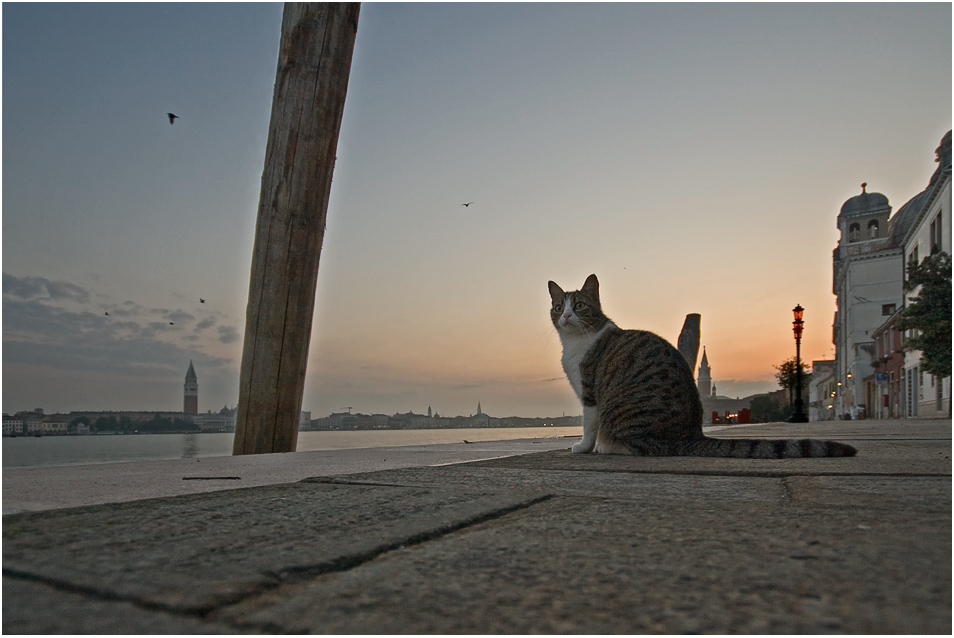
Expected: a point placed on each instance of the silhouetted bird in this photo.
(106, 313)
(171, 324)
(172, 118)
(467, 204)
(201, 300)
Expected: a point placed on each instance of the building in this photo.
(883, 389)
(336, 421)
(221, 421)
(821, 391)
(55, 424)
(190, 400)
(30, 422)
(930, 231)
(705, 376)
(35, 422)
(866, 281)
(12, 425)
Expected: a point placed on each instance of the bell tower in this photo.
(705, 378)
(190, 399)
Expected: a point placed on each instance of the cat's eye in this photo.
(579, 305)
(557, 307)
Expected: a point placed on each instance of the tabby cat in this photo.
(639, 396)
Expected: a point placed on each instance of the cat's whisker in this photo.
(547, 336)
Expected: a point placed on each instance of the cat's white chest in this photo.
(575, 348)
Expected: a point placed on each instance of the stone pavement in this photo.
(543, 542)
(42, 488)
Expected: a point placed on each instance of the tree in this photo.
(765, 410)
(786, 377)
(929, 314)
(106, 424)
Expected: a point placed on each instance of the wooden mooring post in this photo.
(688, 342)
(314, 62)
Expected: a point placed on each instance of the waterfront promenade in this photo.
(505, 537)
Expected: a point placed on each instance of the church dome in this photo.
(865, 204)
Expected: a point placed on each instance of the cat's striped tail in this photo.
(764, 448)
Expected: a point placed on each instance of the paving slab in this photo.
(544, 542)
(54, 610)
(583, 565)
(196, 552)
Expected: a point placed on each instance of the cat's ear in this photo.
(556, 293)
(591, 286)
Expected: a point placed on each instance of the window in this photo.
(873, 229)
(912, 392)
(888, 309)
(936, 234)
(853, 232)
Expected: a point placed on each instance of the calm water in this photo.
(28, 451)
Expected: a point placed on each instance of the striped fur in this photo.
(638, 392)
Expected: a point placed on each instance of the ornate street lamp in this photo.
(798, 416)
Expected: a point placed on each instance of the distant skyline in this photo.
(693, 156)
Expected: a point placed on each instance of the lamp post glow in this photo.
(798, 415)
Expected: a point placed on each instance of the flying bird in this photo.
(172, 118)
(106, 313)
(171, 324)
(467, 204)
(201, 300)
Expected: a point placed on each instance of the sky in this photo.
(693, 156)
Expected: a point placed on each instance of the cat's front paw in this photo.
(582, 448)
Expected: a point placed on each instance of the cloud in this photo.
(41, 288)
(64, 344)
(228, 334)
(178, 316)
(43, 326)
(40, 334)
(467, 386)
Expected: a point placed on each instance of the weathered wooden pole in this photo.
(688, 343)
(314, 62)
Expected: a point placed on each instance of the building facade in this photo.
(867, 276)
(925, 395)
(821, 391)
(12, 425)
(883, 389)
(221, 421)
